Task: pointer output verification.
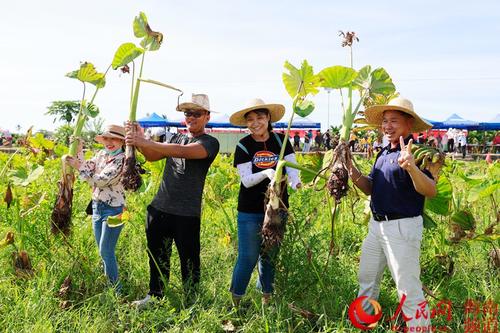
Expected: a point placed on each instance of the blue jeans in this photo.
(249, 252)
(106, 237)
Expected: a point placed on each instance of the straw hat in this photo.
(276, 111)
(375, 113)
(112, 131)
(199, 102)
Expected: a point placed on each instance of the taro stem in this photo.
(131, 178)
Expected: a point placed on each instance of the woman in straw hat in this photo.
(398, 189)
(103, 173)
(256, 157)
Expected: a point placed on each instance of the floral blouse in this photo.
(103, 173)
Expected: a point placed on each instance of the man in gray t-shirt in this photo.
(174, 213)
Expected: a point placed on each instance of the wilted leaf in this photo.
(152, 39)
(125, 54)
(337, 77)
(90, 110)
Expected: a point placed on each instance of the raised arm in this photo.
(423, 184)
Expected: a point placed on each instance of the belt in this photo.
(388, 217)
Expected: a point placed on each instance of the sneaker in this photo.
(143, 303)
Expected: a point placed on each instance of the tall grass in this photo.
(303, 279)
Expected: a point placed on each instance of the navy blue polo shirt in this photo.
(392, 188)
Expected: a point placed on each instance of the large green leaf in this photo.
(483, 190)
(303, 78)
(377, 82)
(23, 177)
(125, 54)
(440, 204)
(303, 107)
(313, 162)
(88, 73)
(140, 23)
(337, 77)
(39, 141)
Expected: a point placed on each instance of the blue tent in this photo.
(455, 121)
(155, 120)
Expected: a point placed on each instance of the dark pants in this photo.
(451, 145)
(161, 230)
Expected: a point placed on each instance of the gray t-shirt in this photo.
(181, 189)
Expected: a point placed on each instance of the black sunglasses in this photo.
(193, 114)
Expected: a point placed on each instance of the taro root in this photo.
(338, 182)
(131, 178)
(22, 264)
(61, 214)
(8, 196)
(276, 213)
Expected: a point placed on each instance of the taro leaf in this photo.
(125, 54)
(485, 238)
(39, 141)
(90, 110)
(152, 39)
(88, 73)
(23, 177)
(312, 162)
(61, 150)
(464, 219)
(140, 23)
(429, 223)
(293, 79)
(337, 77)
(440, 204)
(303, 107)
(483, 190)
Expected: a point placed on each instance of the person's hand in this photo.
(71, 161)
(134, 134)
(80, 143)
(406, 160)
(269, 173)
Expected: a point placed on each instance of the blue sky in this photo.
(444, 56)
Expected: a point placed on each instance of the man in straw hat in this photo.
(174, 213)
(398, 189)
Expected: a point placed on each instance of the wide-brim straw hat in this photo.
(276, 112)
(111, 131)
(199, 102)
(374, 114)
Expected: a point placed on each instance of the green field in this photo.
(454, 270)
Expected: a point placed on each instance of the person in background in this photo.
(296, 141)
(327, 140)
(318, 139)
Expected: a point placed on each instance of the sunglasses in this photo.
(193, 114)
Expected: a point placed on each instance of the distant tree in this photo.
(64, 110)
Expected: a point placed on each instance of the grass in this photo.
(302, 278)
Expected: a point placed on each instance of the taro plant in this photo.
(61, 213)
(124, 55)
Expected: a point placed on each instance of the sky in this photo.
(442, 55)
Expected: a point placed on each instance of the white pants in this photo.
(395, 243)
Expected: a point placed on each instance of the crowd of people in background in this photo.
(450, 141)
